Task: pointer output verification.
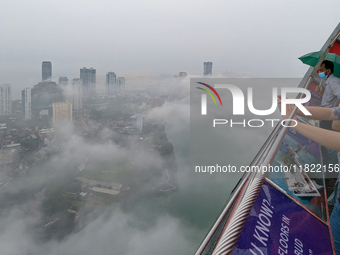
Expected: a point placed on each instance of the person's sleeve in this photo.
(335, 84)
(336, 111)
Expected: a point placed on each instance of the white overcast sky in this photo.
(263, 38)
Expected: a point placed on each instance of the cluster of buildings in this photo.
(58, 101)
(13, 141)
(11, 138)
(61, 101)
(207, 70)
(114, 85)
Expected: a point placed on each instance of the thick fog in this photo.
(143, 223)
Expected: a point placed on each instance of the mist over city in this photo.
(95, 116)
(75, 162)
(109, 172)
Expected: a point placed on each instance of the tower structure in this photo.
(207, 68)
(111, 83)
(120, 86)
(88, 76)
(5, 99)
(46, 71)
(26, 103)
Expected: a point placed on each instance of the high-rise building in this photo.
(62, 112)
(120, 86)
(5, 99)
(26, 103)
(43, 95)
(63, 81)
(89, 81)
(207, 68)
(77, 94)
(139, 122)
(110, 84)
(46, 71)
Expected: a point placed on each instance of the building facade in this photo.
(120, 86)
(26, 103)
(5, 99)
(77, 94)
(63, 81)
(88, 76)
(207, 68)
(62, 112)
(46, 71)
(139, 122)
(111, 83)
(43, 95)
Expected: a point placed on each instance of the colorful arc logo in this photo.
(208, 92)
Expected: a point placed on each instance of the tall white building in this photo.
(77, 94)
(111, 84)
(26, 103)
(5, 99)
(121, 85)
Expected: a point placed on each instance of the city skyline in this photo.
(159, 39)
(101, 174)
(46, 99)
(88, 74)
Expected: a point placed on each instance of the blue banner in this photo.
(277, 225)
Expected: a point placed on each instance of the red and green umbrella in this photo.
(312, 59)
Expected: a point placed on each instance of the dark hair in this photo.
(329, 65)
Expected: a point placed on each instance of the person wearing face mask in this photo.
(330, 98)
(332, 84)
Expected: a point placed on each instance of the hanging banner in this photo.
(277, 225)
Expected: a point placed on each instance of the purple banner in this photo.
(277, 225)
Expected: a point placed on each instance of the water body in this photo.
(201, 196)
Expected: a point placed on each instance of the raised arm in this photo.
(318, 113)
(327, 138)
